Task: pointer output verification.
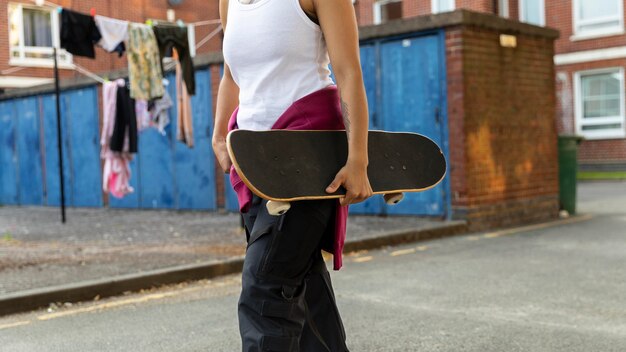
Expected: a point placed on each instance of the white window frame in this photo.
(65, 58)
(543, 12)
(605, 32)
(434, 7)
(503, 8)
(578, 101)
(378, 13)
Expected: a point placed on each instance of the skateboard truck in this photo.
(393, 198)
(276, 208)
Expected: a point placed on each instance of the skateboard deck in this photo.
(287, 165)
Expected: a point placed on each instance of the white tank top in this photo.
(276, 55)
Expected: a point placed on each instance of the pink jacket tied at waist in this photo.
(320, 110)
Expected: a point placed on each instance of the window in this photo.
(532, 11)
(33, 31)
(387, 10)
(503, 8)
(598, 17)
(600, 103)
(442, 5)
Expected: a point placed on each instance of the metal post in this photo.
(59, 133)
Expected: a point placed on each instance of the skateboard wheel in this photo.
(393, 198)
(277, 208)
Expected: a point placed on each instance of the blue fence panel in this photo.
(411, 101)
(29, 152)
(156, 168)
(81, 160)
(51, 147)
(81, 111)
(195, 168)
(8, 155)
(369, 63)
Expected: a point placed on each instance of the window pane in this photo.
(532, 12)
(444, 5)
(601, 95)
(599, 26)
(603, 127)
(14, 26)
(391, 11)
(503, 8)
(591, 9)
(37, 28)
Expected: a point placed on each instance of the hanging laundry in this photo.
(116, 171)
(109, 100)
(144, 68)
(79, 33)
(124, 137)
(169, 37)
(183, 101)
(114, 33)
(159, 114)
(143, 116)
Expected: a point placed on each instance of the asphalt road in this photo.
(543, 288)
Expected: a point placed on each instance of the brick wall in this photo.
(501, 108)
(559, 15)
(131, 10)
(414, 8)
(590, 151)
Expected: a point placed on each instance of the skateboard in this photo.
(287, 165)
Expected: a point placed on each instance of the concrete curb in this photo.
(23, 301)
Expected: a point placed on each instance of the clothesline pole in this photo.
(59, 133)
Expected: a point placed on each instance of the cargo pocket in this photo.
(295, 237)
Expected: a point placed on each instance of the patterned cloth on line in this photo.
(144, 67)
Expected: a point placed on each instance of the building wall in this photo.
(592, 153)
(501, 105)
(131, 10)
(558, 15)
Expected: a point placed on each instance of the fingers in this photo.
(334, 186)
(356, 197)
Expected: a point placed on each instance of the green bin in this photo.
(568, 167)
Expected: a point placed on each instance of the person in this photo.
(276, 75)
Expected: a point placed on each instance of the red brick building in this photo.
(590, 56)
(26, 42)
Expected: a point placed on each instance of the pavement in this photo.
(104, 252)
(547, 287)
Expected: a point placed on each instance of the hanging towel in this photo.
(184, 121)
(143, 116)
(79, 33)
(169, 37)
(116, 171)
(118, 167)
(114, 33)
(144, 68)
(124, 137)
(159, 112)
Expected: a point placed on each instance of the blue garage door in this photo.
(8, 155)
(412, 100)
(81, 159)
(405, 85)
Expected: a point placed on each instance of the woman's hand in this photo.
(221, 153)
(353, 177)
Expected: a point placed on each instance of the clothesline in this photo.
(89, 74)
(199, 23)
(167, 66)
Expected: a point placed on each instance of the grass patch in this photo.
(602, 175)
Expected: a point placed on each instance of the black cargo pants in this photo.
(287, 301)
